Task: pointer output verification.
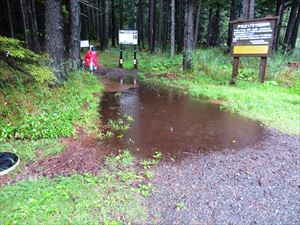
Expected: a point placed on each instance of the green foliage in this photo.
(20, 64)
(110, 198)
(35, 111)
(122, 124)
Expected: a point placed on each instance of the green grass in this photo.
(115, 196)
(30, 150)
(35, 112)
(276, 103)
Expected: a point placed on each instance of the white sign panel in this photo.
(84, 44)
(128, 37)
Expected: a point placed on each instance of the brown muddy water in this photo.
(173, 124)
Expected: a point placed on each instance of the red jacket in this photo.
(89, 57)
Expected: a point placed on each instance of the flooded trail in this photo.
(228, 170)
(173, 124)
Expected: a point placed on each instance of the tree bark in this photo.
(10, 20)
(172, 36)
(291, 25)
(279, 12)
(209, 27)
(141, 24)
(113, 24)
(197, 25)
(24, 10)
(296, 30)
(248, 9)
(121, 14)
(188, 35)
(34, 29)
(232, 17)
(180, 29)
(54, 36)
(251, 9)
(74, 51)
(104, 26)
(166, 25)
(151, 34)
(160, 24)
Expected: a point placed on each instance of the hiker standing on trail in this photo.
(91, 59)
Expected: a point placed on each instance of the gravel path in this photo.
(257, 185)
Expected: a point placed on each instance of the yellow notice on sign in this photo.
(250, 49)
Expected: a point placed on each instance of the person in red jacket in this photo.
(91, 59)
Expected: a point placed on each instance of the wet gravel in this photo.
(256, 185)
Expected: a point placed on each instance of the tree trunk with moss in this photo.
(54, 37)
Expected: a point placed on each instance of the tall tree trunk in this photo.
(74, 51)
(54, 36)
(180, 29)
(296, 30)
(188, 35)
(280, 6)
(104, 26)
(10, 20)
(246, 4)
(291, 25)
(251, 9)
(209, 27)
(216, 28)
(151, 33)
(160, 24)
(172, 36)
(24, 10)
(121, 14)
(113, 24)
(34, 28)
(166, 25)
(232, 17)
(248, 9)
(197, 25)
(141, 25)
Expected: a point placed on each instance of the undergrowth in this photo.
(35, 111)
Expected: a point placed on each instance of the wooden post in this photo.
(262, 68)
(235, 69)
(134, 58)
(121, 57)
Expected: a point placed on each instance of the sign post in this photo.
(252, 38)
(128, 37)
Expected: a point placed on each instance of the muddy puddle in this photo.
(173, 124)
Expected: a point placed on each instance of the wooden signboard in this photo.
(252, 38)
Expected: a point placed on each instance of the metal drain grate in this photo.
(8, 161)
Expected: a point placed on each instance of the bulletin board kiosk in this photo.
(128, 37)
(252, 38)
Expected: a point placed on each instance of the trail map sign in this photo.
(84, 44)
(252, 38)
(128, 37)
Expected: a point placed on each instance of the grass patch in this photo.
(36, 112)
(275, 103)
(30, 150)
(113, 197)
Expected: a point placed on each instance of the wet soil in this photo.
(82, 154)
